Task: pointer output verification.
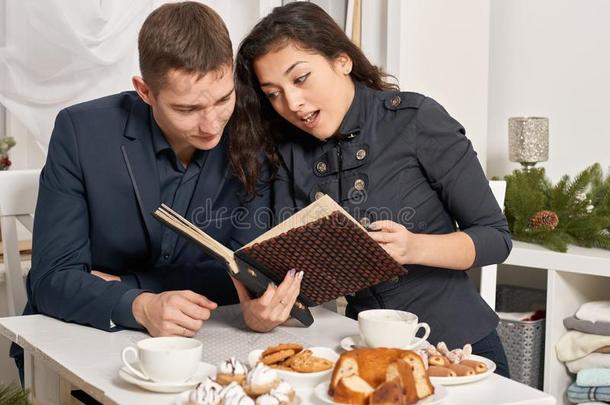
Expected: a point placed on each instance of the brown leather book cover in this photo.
(334, 251)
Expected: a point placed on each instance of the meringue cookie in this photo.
(230, 371)
(206, 393)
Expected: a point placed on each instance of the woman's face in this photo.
(306, 89)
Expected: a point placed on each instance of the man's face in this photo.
(192, 110)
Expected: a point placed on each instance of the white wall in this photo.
(444, 46)
(551, 58)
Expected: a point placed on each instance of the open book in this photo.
(334, 251)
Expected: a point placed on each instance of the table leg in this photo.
(41, 380)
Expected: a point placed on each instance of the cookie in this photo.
(299, 357)
(311, 364)
(277, 356)
(282, 346)
(280, 366)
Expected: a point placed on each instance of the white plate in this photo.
(301, 380)
(203, 371)
(440, 393)
(183, 398)
(352, 342)
(491, 367)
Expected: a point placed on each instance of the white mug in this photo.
(390, 328)
(171, 359)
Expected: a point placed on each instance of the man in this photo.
(99, 256)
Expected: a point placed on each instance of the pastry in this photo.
(205, 393)
(359, 372)
(401, 373)
(277, 357)
(423, 385)
(388, 393)
(286, 389)
(230, 371)
(230, 390)
(478, 366)
(438, 371)
(260, 380)
(282, 346)
(353, 390)
(438, 360)
(239, 399)
(461, 370)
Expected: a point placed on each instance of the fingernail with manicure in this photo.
(291, 273)
(300, 274)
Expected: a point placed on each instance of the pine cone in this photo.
(544, 220)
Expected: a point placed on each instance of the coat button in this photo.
(359, 184)
(318, 195)
(321, 167)
(361, 154)
(395, 101)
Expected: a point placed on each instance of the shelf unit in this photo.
(573, 278)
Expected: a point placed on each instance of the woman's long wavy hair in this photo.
(255, 126)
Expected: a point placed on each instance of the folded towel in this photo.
(574, 345)
(593, 377)
(578, 394)
(596, 328)
(595, 311)
(593, 403)
(515, 316)
(593, 360)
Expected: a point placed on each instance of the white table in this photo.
(89, 359)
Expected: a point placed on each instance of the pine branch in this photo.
(13, 395)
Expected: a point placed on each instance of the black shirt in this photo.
(400, 156)
(177, 185)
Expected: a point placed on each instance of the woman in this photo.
(332, 125)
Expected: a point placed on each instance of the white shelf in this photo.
(576, 260)
(573, 278)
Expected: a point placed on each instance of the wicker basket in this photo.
(523, 340)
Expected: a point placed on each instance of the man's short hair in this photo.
(187, 36)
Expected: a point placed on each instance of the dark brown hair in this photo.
(186, 36)
(255, 125)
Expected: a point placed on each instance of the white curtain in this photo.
(60, 52)
(55, 53)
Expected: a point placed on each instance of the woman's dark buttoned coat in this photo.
(400, 156)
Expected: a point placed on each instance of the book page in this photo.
(320, 208)
(182, 225)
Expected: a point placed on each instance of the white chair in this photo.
(18, 194)
(489, 274)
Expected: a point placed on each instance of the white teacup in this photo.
(165, 359)
(390, 328)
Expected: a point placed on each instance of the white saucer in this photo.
(204, 370)
(440, 393)
(352, 342)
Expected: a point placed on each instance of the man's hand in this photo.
(273, 307)
(172, 313)
(105, 276)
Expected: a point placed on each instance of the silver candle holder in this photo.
(528, 140)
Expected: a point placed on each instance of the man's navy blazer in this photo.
(98, 190)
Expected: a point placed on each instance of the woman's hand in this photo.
(273, 307)
(395, 239)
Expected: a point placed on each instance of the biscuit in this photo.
(282, 346)
(299, 357)
(277, 357)
(312, 365)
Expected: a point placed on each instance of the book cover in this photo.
(334, 251)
